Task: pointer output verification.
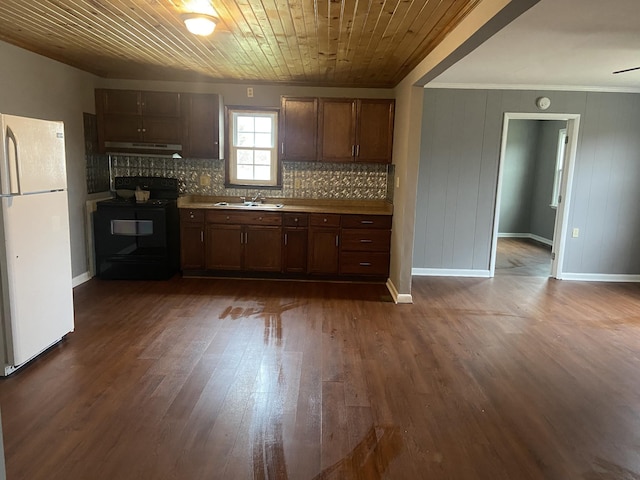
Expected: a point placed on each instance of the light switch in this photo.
(575, 233)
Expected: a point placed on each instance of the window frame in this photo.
(228, 125)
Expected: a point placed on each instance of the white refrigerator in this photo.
(35, 254)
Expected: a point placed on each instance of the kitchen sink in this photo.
(248, 205)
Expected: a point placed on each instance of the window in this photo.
(557, 180)
(253, 153)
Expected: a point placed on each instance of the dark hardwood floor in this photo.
(510, 378)
(522, 256)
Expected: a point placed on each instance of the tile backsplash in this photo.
(299, 179)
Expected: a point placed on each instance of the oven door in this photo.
(131, 242)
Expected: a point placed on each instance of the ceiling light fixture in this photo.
(199, 23)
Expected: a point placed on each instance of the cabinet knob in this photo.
(324, 220)
(295, 219)
(260, 218)
(227, 217)
(192, 215)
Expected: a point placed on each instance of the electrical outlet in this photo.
(250, 92)
(205, 180)
(297, 183)
(575, 233)
(397, 182)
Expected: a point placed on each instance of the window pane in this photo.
(262, 173)
(262, 157)
(263, 140)
(245, 172)
(245, 140)
(253, 157)
(263, 124)
(245, 123)
(245, 157)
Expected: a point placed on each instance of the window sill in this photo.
(251, 186)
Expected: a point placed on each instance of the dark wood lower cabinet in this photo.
(192, 246)
(262, 248)
(224, 247)
(192, 239)
(314, 244)
(295, 250)
(324, 250)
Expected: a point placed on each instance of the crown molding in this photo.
(556, 88)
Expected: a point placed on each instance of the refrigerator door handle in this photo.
(7, 167)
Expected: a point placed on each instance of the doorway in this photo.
(533, 192)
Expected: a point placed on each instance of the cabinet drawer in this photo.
(189, 215)
(295, 219)
(322, 220)
(366, 221)
(244, 218)
(362, 263)
(361, 240)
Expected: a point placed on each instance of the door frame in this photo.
(562, 211)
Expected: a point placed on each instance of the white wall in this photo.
(34, 86)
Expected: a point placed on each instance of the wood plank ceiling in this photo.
(364, 43)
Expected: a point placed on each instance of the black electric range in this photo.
(138, 240)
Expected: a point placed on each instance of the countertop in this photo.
(295, 205)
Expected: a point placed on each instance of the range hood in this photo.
(139, 146)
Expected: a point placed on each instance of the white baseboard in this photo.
(599, 277)
(398, 297)
(80, 279)
(449, 272)
(532, 236)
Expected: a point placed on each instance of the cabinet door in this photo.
(160, 104)
(375, 131)
(323, 250)
(263, 248)
(337, 130)
(224, 247)
(162, 130)
(299, 129)
(192, 246)
(201, 119)
(121, 128)
(295, 250)
(119, 102)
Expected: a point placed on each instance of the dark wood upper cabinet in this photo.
(160, 104)
(119, 102)
(375, 130)
(337, 129)
(202, 124)
(126, 118)
(132, 102)
(358, 130)
(298, 129)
